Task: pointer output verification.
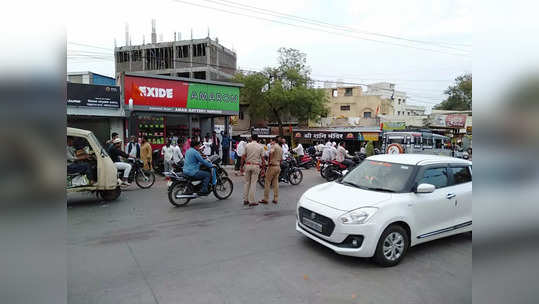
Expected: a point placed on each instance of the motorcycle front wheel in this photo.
(144, 178)
(223, 189)
(262, 179)
(295, 177)
(179, 188)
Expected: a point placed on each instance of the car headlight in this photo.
(358, 216)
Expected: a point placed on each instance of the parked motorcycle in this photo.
(182, 188)
(143, 178)
(290, 173)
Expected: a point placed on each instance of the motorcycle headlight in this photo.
(358, 216)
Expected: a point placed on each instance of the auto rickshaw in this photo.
(106, 184)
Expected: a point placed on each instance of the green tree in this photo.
(459, 96)
(284, 91)
(369, 149)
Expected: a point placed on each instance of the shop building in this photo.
(161, 107)
(96, 108)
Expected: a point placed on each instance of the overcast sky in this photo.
(442, 27)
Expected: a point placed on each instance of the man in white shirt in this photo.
(320, 147)
(133, 148)
(207, 145)
(333, 151)
(168, 153)
(177, 155)
(285, 148)
(299, 150)
(362, 150)
(342, 154)
(240, 150)
(326, 152)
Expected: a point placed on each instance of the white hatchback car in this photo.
(387, 204)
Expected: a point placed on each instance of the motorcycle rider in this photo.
(191, 167)
(115, 153)
(299, 152)
(342, 154)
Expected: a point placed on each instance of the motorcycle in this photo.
(158, 163)
(306, 161)
(336, 170)
(143, 178)
(182, 188)
(290, 173)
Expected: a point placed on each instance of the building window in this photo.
(199, 50)
(398, 113)
(367, 114)
(334, 93)
(182, 51)
(345, 108)
(348, 92)
(241, 115)
(408, 113)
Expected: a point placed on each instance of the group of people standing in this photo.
(252, 158)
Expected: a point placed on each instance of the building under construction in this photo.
(194, 58)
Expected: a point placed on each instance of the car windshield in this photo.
(379, 176)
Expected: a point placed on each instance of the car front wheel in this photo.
(392, 246)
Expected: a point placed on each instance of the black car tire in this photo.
(379, 256)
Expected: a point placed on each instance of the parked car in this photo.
(387, 204)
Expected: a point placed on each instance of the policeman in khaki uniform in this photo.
(251, 161)
(272, 173)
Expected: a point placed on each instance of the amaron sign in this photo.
(153, 94)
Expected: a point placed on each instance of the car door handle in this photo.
(451, 195)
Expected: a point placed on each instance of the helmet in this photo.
(117, 141)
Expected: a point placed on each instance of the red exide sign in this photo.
(156, 92)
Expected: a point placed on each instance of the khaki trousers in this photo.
(272, 179)
(251, 177)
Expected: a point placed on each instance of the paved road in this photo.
(140, 249)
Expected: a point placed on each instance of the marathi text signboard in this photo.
(93, 96)
(153, 94)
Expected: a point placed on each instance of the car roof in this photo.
(418, 159)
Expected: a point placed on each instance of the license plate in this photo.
(312, 224)
(169, 183)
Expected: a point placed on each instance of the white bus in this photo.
(396, 142)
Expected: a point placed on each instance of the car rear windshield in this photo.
(380, 176)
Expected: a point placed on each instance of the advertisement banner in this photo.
(153, 94)
(93, 96)
(393, 126)
(369, 136)
(455, 120)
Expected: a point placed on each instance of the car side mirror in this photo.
(425, 188)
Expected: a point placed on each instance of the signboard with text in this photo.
(93, 96)
(393, 126)
(153, 94)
